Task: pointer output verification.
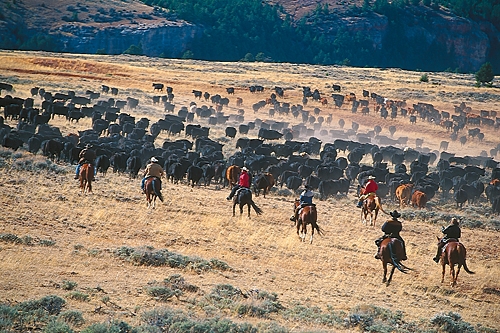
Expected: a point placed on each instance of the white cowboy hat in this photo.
(371, 177)
(244, 169)
(153, 159)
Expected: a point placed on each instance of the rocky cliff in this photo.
(168, 39)
(469, 44)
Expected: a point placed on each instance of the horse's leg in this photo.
(452, 273)
(390, 275)
(444, 270)
(248, 205)
(375, 217)
(384, 265)
(234, 207)
(456, 274)
(312, 233)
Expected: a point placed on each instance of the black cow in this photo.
(134, 164)
(194, 174)
(52, 148)
(119, 162)
(266, 134)
(102, 164)
(231, 132)
(12, 140)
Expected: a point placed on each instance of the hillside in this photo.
(67, 242)
(378, 34)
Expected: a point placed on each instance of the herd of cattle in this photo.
(126, 144)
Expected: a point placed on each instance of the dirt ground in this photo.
(264, 252)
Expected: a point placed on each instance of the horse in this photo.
(371, 205)
(453, 254)
(264, 182)
(307, 215)
(244, 197)
(86, 175)
(392, 252)
(152, 188)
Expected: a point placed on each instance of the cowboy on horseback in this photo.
(305, 199)
(370, 188)
(391, 229)
(450, 232)
(244, 182)
(87, 155)
(153, 169)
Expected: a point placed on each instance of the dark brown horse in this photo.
(307, 215)
(392, 252)
(86, 175)
(152, 187)
(453, 254)
(371, 206)
(244, 197)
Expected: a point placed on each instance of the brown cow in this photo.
(263, 182)
(239, 101)
(419, 199)
(232, 175)
(403, 193)
(324, 101)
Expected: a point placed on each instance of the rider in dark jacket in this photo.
(87, 155)
(450, 232)
(391, 228)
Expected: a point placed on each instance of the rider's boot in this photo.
(377, 256)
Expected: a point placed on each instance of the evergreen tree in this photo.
(485, 74)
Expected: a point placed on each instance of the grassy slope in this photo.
(338, 269)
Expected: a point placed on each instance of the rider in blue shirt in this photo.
(305, 199)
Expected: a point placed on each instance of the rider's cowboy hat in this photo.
(88, 145)
(371, 177)
(154, 160)
(244, 169)
(395, 214)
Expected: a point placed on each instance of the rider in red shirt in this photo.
(370, 187)
(244, 182)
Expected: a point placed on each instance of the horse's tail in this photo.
(319, 230)
(157, 189)
(258, 211)
(379, 205)
(467, 268)
(394, 258)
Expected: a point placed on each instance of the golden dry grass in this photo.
(338, 269)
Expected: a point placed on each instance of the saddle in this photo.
(446, 241)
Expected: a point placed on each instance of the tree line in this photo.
(252, 30)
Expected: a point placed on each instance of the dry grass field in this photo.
(337, 273)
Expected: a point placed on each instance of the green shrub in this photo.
(78, 296)
(147, 256)
(424, 78)
(163, 293)
(68, 285)
(134, 50)
(451, 322)
(47, 242)
(51, 304)
(72, 317)
(57, 327)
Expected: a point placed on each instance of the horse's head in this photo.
(296, 203)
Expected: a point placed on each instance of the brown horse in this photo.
(244, 197)
(86, 175)
(307, 215)
(152, 187)
(371, 205)
(233, 175)
(392, 252)
(453, 254)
